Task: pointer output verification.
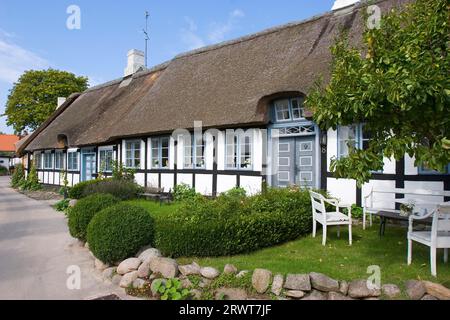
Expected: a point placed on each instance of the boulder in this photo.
(109, 273)
(277, 284)
(116, 279)
(209, 272)
(167, 267)
(261, 280)
(322, 282)
(186, 283)
(343, 287)
(437, 290)
(139, 283)
(196, 294)
(128, 279)
(128, 265)
(144, 269)
(390, 290)
(230, 269)
(359, 289)
(429, 297)
(316, 295)
(72, 202)
(99, 265)
(296, 294)
(189, 269)
(231, 294)
(415, 289)
(242, 273)
(337, 296)
(148, 254)
(298, 282)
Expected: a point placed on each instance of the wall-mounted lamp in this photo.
(323, 139)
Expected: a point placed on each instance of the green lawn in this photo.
(341, 261)
(154, 207)
(337, 259)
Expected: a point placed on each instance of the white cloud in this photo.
(221, 30)
(14, 60)
(189, 35)
(217, 33)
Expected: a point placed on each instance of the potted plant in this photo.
(406, 209)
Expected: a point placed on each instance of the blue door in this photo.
(88, 166)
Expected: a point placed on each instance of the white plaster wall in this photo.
(172, 153)
(183, 178)
(57, 179)
(389, 166)
(425, 185)
(386, 201)
(41, 177)
(140, 178)
(331, 146)
(225, 183)
(152, 180)
(50, 178)
(257, 150)
(76, 179)
(251, 184)
(167, 181)
(203, 183)
(209, 152)
(410, 169)
(343, 189)
(221, 151)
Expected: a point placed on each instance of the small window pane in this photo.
(282, 110)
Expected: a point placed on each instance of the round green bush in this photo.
(231, 225)
(77, 191)
(83, 212)
(118, 232)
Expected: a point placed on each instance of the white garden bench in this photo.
(424, 200)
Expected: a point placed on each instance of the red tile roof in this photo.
(7, 142)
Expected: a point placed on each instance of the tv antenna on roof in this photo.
(146, 36)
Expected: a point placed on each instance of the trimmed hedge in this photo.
(83, 212)
(77, 191)
(120, 188)
(234, 224)
(118, 232)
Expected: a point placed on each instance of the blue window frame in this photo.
(289, 109)
(238, 151)
(72, 161)
(424, 170)
(160, 153)
(194, 152)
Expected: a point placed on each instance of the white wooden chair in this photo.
(325, 218)
(437, 238)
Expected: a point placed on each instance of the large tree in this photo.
(397, 83)
(34, 97)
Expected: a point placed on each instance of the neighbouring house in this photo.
(7, 150)
(257, 83)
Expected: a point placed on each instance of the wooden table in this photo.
(389, 215)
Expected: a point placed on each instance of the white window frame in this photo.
(191, 158)
(156, 153)
(131, 160)
(236, 145)
(48, 156)
(71, 162)
(357, 139)
(290, 109)
(105, 151)
(59, 156)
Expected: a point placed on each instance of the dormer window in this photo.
(289, 109)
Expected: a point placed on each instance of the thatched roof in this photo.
(221, 85)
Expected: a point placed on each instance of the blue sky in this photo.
(33, 34)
